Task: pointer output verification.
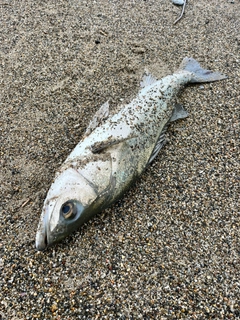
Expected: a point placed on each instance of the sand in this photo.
(170, 248)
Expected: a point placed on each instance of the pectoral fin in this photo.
(97, 147)
(100, 115)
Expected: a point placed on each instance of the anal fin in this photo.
(158, 146)
(178, 113)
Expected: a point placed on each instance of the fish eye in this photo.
(68, 210)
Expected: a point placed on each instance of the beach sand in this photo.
(169, 249)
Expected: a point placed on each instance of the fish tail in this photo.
(198, 73)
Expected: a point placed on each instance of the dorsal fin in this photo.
(147, 79)
(100, 115)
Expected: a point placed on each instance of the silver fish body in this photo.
(113, 154)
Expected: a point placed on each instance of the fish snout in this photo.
(42, 235)
(41, 241)
(41, 244)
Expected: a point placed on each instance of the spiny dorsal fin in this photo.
(147, 79)
(100, 115)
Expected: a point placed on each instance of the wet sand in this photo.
(170, 248)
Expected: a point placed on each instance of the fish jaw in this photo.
(44, 236)
(42, 233)
(70, 190)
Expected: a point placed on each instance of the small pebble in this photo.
(178, 2)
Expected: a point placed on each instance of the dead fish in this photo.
(114, 152)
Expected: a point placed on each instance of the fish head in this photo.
(66, 207)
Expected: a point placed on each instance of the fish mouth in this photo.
(41, 246)
(42, 243)
(42, 235)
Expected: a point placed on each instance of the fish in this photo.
(113, 153)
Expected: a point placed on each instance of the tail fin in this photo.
(200, 74)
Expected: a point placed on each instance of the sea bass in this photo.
(114, 152)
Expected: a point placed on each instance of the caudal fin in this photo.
(200, 74)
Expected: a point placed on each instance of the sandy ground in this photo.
(170, 248)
